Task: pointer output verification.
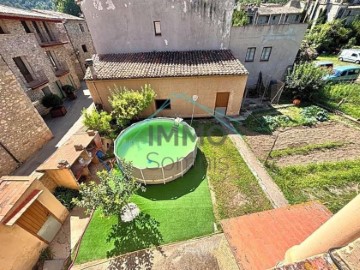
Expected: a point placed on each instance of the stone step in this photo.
(54, 265)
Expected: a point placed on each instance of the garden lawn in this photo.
(173, 212)
(236, 190)
(335, 60)
(344, 97)
(333, 184)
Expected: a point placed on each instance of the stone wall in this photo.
(77, 39)
(22, 131)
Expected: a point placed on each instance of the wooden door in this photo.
(33, 218)
(222, 99)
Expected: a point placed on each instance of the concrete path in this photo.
(212, 252)
(271, 190)
(62, 128)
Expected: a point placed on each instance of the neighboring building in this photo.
(270, 42)
(333, 9)
(22, 129)
(30, 217)
(176, 47)
(36, 52)
(268, 45)
(78, 33)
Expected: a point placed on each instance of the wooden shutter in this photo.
(33, 218)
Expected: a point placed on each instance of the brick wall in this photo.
(22, 131)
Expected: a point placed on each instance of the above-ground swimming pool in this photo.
(160, 149)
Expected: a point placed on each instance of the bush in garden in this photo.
(51, 101)
(312, 114)
(128, 104)
(99, 121)
(65, 196)
(305, 80)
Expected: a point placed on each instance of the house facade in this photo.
(30, 217)
(269, 43)
(78, 33)
(333, 9)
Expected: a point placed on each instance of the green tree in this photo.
(305, 80)
(99, 121)
(67, 6)
(240, 18)
(128, 104)
(112, 194)
(328, 37)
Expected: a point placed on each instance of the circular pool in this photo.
(160, 149)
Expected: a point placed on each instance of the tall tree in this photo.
(67, 6)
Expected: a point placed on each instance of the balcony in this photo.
(39, 79)
(45, 41)
(61, 69)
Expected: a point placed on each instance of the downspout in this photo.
(340, 230)
(10, 154)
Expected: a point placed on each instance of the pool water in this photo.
(155, 143)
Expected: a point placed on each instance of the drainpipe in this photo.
(10, 154)
(340, 230)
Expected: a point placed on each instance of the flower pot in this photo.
(71, 95)
(58, 111)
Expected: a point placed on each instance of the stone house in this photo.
(78, 33)
(30, 217)
(22, 129)
(269, 44)
(35, 51)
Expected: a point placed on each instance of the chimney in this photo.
(90, 63)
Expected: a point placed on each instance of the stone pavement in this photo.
(61, 127)
(271, 190)
(211, 252)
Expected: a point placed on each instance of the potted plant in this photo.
(55, 103)
(69, 91)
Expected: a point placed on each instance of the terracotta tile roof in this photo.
(260, 240)
(67, 151)
(11, 189)
(166, 64)
(58, 14)
(7, 12)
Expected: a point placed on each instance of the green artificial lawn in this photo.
(333, 183)
(177, 211)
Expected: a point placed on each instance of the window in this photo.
(250, 54)
(353, 71)
(84, 48)
(48, 31)
(297, 18)
(164, 104)
(3, 29)
(46, 91)
(286, 18)
(38, 32)
(265, 54)
(26, 27)
(157, 28)
(19, 62)
(52, 60)
(81, 27)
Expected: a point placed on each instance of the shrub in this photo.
(240, 18)
(99, 121)
(51, 101)
(65, 196)
(305, 80)
(128, 104)
(68, 89)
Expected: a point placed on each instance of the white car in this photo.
(350, 55)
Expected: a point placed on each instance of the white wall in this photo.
(121, 26)
(285, 40)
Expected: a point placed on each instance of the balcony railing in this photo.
(61, 69)
(55, 40)
(39, 79)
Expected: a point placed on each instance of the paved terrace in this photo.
(62, 128)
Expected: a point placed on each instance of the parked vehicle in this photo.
(344, 73)
(350, 55)
(324, 64)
